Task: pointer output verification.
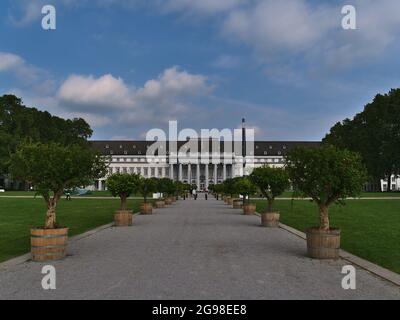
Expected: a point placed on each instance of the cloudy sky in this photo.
(127, 66)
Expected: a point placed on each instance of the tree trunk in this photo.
(123, 203)
(324, 218)
(50, 222)
(270, 204)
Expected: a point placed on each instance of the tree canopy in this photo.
(271, 182)
(19, 124)
(245, 187)
(122, 185)
(375, 134)
(52, 167)
(147, 186)
(327, 175)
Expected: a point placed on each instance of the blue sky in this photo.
(128, 66)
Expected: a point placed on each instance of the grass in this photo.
(370, 228)
(17, 216)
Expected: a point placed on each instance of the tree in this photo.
(122, 185)
(165, 186)
(229, 187)
(272, 182)
(19, 124)
(245, 187)
(51, 168)
(375, 134)
(327, 175)
(146, 186)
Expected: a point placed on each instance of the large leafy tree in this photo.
(52, 168)
(272, 182)
(19, 124)
(122, 185)
(327, 175)
(375, 134)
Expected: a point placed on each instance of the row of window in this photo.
(143, 160)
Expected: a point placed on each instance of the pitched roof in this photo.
(137, 148)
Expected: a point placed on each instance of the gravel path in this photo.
(192, 250)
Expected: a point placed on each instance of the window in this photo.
(270, 147)
(125, 152)
(107, 146)
(111, 152)
(284, 147)
(279, 153)
(120, 146)
(265, 153)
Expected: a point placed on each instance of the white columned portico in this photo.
(206, 174)
(198, 176)
(224, 173)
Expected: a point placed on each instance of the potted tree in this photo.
(146, 187)
(122, 185)
(228, 186)
(52, 168)
(161, 188)
(271, 182)
(246, 188)
(236, 202)
(328, 175)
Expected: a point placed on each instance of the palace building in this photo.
(200, 168)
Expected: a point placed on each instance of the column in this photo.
(156, 172)
(100, 186)
(206, 174)
(215, 173)
(180, 172)
(171, 171)
(198, 176)
(142, 171)
(163, 172)
(224, 173)
(189, 173)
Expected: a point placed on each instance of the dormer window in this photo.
(107, 146)
(265, 153)
(120, 146)
(111, 152)
(284, 147)
(125, 152)
(279, 153)
(270, 147)
(134, 146)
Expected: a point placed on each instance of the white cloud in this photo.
(168, 96)
(87, 92)
(272, 25)
(227, 62)
(9, 61)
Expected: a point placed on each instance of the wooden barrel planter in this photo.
(270, 219)
(123, 218)
(48, 244)
(249, 209)
(237, 204)
(168, 201)
(229, 201)
(160, 204)
(146, 208)
(323, 244)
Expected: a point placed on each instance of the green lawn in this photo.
(370, 228)
(17, 216)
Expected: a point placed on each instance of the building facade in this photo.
(201, 168)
